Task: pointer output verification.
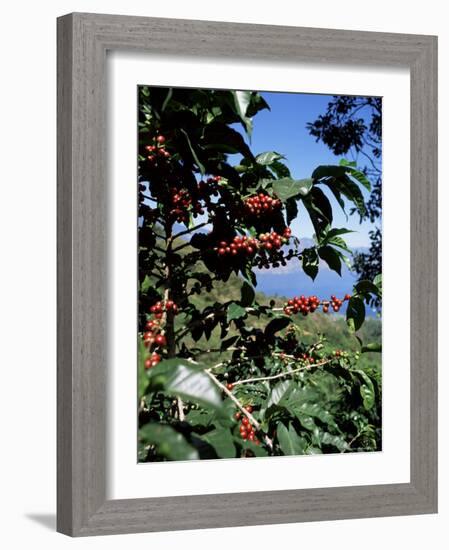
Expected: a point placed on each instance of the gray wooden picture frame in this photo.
(83, 40)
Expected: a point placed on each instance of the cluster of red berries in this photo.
(209, 186)
(335, 303)
(301, 304)
(152, 360)
(249, 245)
(247, 431)
(244, 245)
(157, 151)
(273, 240)
(182, 202)
(152, 334)
(261, 204)
(159, 308)
(153, 337)
(306, 305)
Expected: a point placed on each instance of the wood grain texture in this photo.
(83, 40)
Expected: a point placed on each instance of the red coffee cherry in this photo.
(261, 204)
(160, 340)
(152, 361)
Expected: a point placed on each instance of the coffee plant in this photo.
(239, 376)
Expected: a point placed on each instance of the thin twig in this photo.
(231, 396)
(187, 231)
(280, 375)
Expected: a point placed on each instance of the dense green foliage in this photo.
(353, 125)
(225, 371)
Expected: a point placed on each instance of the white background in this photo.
(130, 480)
(27, 218)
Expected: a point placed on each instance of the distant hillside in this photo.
(332, 325)
(279, 284)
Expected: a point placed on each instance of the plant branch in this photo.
(280, 375)
(187, 231)
(242, 409)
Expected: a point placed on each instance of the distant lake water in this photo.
(291, 283)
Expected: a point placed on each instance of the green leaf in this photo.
(199, 417)
(337, 231)
(242, 99)
(167, 99)
(351, 191)
(360, 177)
(247, 294)
(280, 391)
(331, 257)
(310, 262)
(228, 342)
(328, 171)
(374, 347)
(220, 137)
(325, 438)
(366, 287)
(168, 442)
(355, 313)
(291, 208)
(222, 441)
(142, 380)
(307, 422)
(340, 243)
(265, 159)
(235, 311)
(146, 284)
(345, 162)
(189, 381)
(280, 169)
(257, 450)
(319, 209)
(286, 188)
(276, 324)
(194, 155)
(289, 441)
(367, 392)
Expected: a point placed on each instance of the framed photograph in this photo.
(247, 274)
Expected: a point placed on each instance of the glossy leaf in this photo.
(235, 311)
(310, 262)
(367, 391)
(373, 347)
(168, 442)
(181, 377)
(242, 100)
(290, 442)
(355, 313)
(331, 257)
(267, 158)
(247, 294)
(222, 441)
(279, 392)
(194, 155)
(275, 325)
(286, 188)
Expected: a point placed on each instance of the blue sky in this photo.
(283, 129)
